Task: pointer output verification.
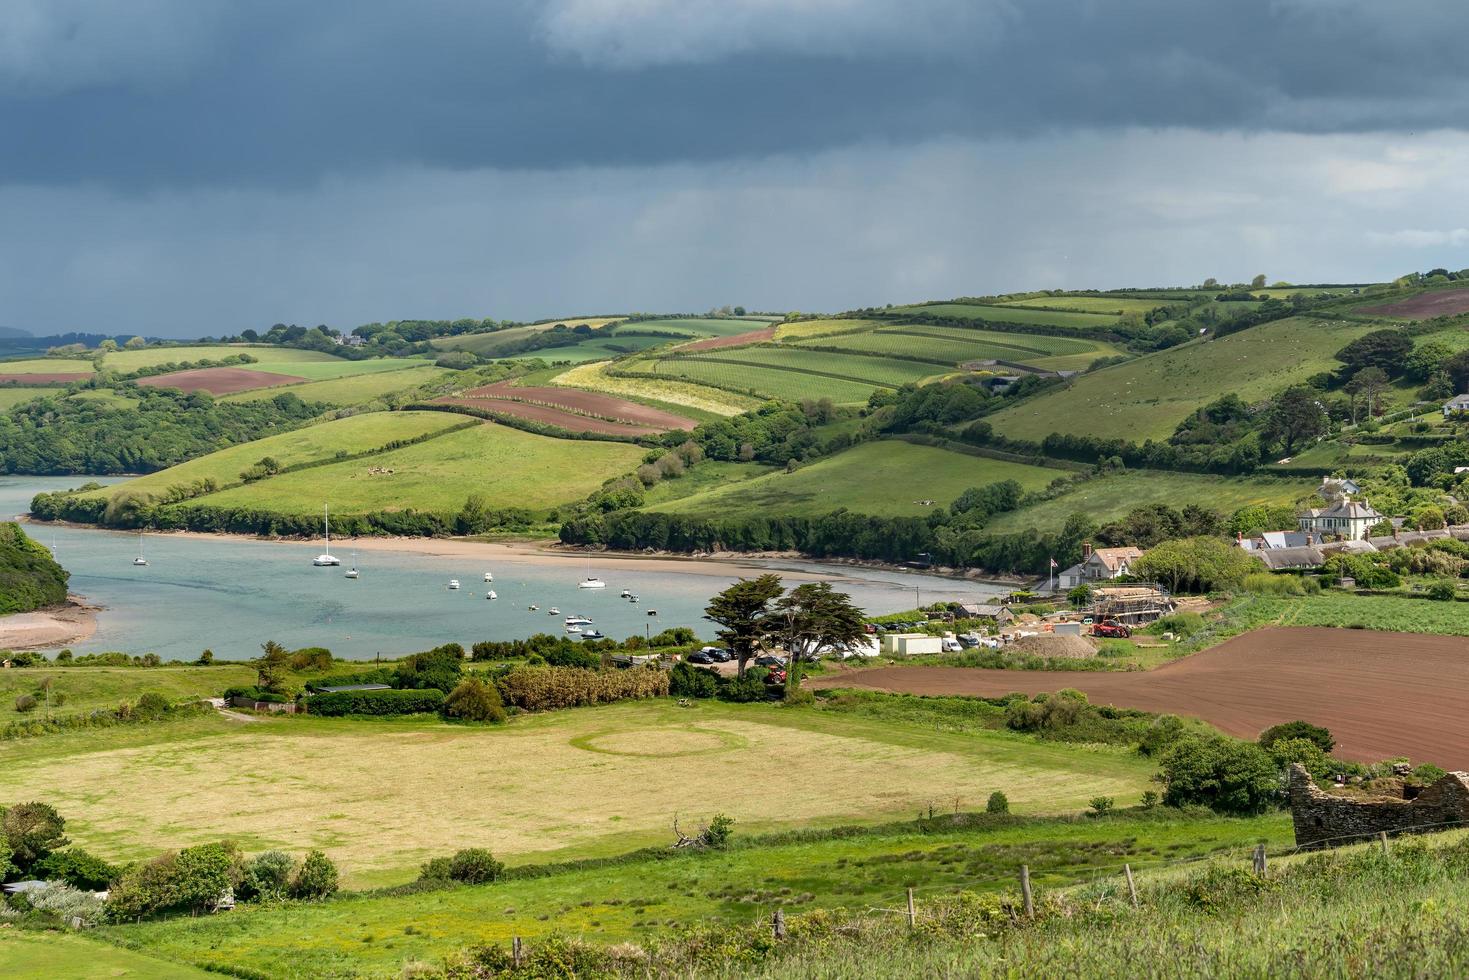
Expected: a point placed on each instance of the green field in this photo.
(1013, 314)
(509, 467)
(1089, 304)
(353, 390)
(382, 796)
(800, 330)
(956, 345)
(1147, 397)
(594, 349)
(701, 326)
(359, 433)
(880, 478)
(46, 365)
(593, 377)
(57, 956)
(769, 382)
(11, 396)
(373, 935)
(310, 364)
(87, 688)
(1108, 498)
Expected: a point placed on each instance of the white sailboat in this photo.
(352, 572)
(453, 583)
(592, 582)
(140, 560)
(489, 577)
(326, 558)
(491, 595)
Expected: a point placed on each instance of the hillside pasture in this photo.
(380, 797)
(698, 326)
(508, 467)
(352, 390)
(1014, 314)
(1424, 306)
(1108, 498)
(955, 345)
(349, 436)
(799, 330)
(767, 382)
(89, 688)
(593, 349)
(307, 364)
(33, 366)
(885, 479)
(874, 370)
(568, 422)
(12, 395)
(219, 381)
(593, 377)
(1147, 397)
(583, 402)
(1118, 305)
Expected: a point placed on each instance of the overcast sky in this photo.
(188, 167)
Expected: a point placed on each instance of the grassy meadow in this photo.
(508, 467)
(350, 390)
(1014, 314)
(356, 434)
(593, 377)
(382, 796)
(885, 478)
(12, 395)
(800, 330)
(47, 365)
(769, 382)
(310, 364)
(58, 956)
(1147, 397)
(83, 689)
(1122, 305)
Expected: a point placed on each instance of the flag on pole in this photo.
(1053, 563)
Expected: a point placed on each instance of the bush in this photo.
(474, 700)
(687, 680)
(997, 803)
(1288, 750)
(63, 903)
(76, 867)
(1269, 583)
(1150, 799)
(746, 689)
(719, 831)
(1298, 729)
(1444, 590)
(387, 702)
(1225, 775)
(474, 866)
(1101, 804)
(311, 659)
(26, 702)
(193, 879)
(267, 877)
(438, 668)
(1182, 625)
(549, 688)
(32, 830)
(317, 878)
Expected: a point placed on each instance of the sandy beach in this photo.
(74, 622)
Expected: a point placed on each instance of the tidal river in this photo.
(232, 594)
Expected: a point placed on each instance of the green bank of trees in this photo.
(29, 577)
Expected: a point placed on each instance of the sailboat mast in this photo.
(326, 527)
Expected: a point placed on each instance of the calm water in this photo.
(232, 595)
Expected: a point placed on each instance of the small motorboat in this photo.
(626, 593)
(573, 629)
(592, 582)
(491, 595)
(578, 621)
(140, 560)
(351, 573)
(453, 583)
(593, 635)
(489, 577)
(652, 612)
(534, 608)
(633, 598)
(553, 611)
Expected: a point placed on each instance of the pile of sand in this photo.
(1055, 646)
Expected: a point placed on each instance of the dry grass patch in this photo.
(592, 378)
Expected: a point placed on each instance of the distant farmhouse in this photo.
(1101, 565)
(1457, 405)
(1344, 518)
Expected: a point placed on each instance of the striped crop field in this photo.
(768, 382)
(800, 330)
(882, 371)
(1034, 344)
(698, 326)
(1014, 314)
(1089, 304)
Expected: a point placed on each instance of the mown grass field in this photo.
(86, 688)
(57, 956)
(310, 364)
(373, 935)
(351, 390)
(700, 326)
(1089, 304)
(383, 796)
(508, 467)
(594, 349)
(47, 365)
(1014, 314)
(808, 329)
(951, 348)
(714, 401)
(1111, 497)
(359, 433)
(1147, 397)
(10, 396)
(770, 382)
(881, 478)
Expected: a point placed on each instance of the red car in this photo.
(1111, 630)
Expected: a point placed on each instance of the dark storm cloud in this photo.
(166, 92)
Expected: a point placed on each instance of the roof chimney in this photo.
(1086, 550)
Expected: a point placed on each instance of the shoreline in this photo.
(549, 551)
(49, 628)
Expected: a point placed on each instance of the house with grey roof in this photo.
(1457, 405)
(1345, 518)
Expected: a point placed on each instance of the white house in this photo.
(1337, 488)
(1345, 518)
(1456, 405)
(1101, 565)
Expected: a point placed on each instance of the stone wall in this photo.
(1322, 819)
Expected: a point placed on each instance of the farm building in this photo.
(986, 610)
(911, 644)
(1101, 565)
(1345, 518)
(1457, 405)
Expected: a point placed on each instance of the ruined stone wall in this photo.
(1321, 818)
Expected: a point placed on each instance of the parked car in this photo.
(723, 656)
(952, 646)
(702, 658)
(768, 661)
(1112, 630)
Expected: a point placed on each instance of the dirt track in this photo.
(737, 340)
(219, 380)
(1440, 302)
(1381, 694)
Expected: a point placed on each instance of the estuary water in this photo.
(231, 594)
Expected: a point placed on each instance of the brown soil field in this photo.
(44, 379)
(715, 343)
(1381, 694)
(546, 415)
(1439, 302)
(585, 403)
(219, 380)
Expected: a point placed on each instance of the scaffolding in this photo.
(1130, 605)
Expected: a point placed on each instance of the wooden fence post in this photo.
(1382, 836)
(1131, 885)
(1259, 859)
(912, 913)
(778, 924)
(1025, 891)
(517, 952)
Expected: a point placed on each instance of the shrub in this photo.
(746, 689)
(1225, 775)
(311, 659)
(1182, 625)
(549, 688)
(193, 879)
(33, 831)
(718, 833)
(688, 680)
(474, 866)
(1269, 583)
(387, 702)
(435, 869)
(152, 705)
(1101, 804)
(997, 803)
(474, 700)
(1288, 750)
(1150, 799)
(1443, 590)
(1298, 729)
(76, 867)
(1163, 732)
(26, 702)
(317, 878)
(438, 668)
(798, 696)
(65, 902)
(267, 877)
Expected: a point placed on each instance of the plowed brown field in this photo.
(1440, 302)
(219, 380)
(546, 415)
(584, 402)
(739, 339)
(1381, 694)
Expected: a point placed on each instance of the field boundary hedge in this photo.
(389, 702)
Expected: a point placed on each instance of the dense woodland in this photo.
(29, 577)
